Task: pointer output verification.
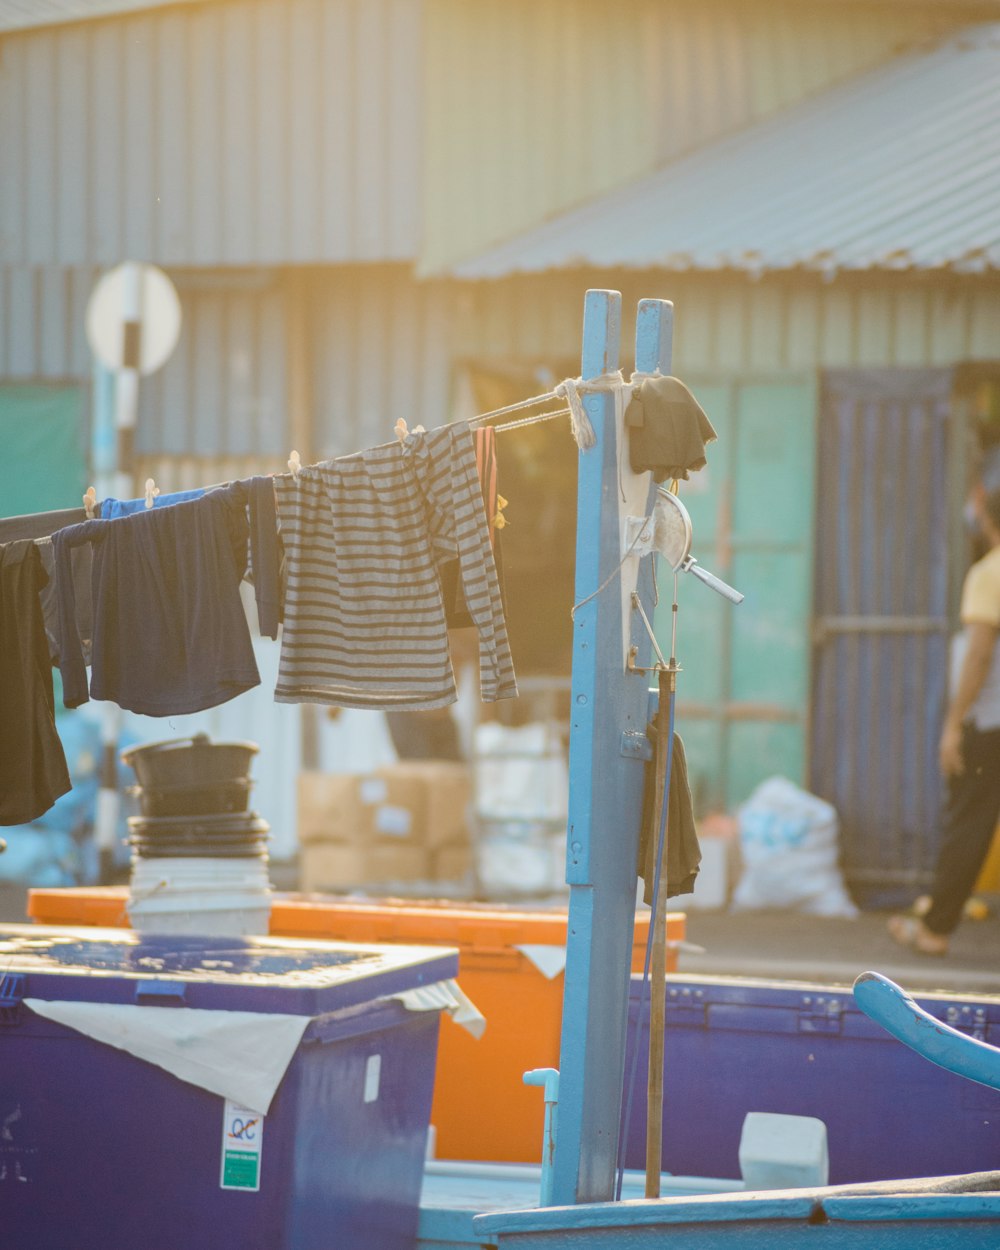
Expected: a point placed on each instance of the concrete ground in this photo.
(783, 945)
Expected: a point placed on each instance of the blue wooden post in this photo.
(608, 720)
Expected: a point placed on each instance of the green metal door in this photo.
(44, 441)
(743, 697)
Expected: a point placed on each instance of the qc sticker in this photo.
(242, 1137)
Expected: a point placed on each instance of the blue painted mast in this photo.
(607, 750)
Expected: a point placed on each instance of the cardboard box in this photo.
(452, 862)
(447, 797)
(419, 803)
(359, 809)
(333, 866)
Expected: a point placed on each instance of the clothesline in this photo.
(569, 389)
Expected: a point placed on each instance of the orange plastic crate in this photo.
(482, 1109)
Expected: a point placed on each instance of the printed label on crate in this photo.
(242, 1138)
(394, 821)
(373, 1077)
(373, 790)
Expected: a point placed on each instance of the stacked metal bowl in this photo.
(194, 796)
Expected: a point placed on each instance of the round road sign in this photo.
(133, 318)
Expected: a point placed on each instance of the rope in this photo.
(533, 402)
(609, 579)
(572, 390)
(542, 416)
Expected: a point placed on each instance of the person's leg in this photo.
(970, 819)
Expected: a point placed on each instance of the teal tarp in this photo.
(44, 441)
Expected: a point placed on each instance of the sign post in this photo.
(133, 321)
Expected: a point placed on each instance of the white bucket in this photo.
(221, 897)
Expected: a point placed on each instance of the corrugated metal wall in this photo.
(884, 517)
(41, 322)
(728, 326)
(570, 100)
(380, 346)
(377, 347)
(224, 390)
(381, 349)
(241, 133)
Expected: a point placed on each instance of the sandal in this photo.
(911, 932)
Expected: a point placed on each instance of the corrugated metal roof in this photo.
(536, 106)
(899, 169)
(28, 14)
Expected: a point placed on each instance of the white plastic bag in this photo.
(789, 842)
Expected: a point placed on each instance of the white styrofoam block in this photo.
(783, 1151)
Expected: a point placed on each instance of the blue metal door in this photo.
(884, 517)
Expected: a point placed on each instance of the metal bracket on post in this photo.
(608, 712)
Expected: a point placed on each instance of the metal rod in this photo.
(658, 965)
(637, 603)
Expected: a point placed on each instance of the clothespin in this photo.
(90, 503)
(401, 431)
(294, 464)
(152, 490)
(499, 520)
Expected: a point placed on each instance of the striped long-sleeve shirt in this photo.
(364, 538)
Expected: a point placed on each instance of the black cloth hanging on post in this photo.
(33, 772)
(683, 851)
(667, 430)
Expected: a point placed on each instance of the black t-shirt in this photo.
(33, 772)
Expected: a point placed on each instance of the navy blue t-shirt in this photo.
(170, 632)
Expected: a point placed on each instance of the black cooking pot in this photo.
(195, 762)
(184, 800)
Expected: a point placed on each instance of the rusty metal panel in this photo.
(882, 616)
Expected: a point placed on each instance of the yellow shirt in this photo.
(981, 605)
(981, 591)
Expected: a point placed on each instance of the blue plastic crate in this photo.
(734, 1045)
(100, 1150)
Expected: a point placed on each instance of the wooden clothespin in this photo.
(152, 490)
(294, 464)
(90, 503)
(402, 432)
